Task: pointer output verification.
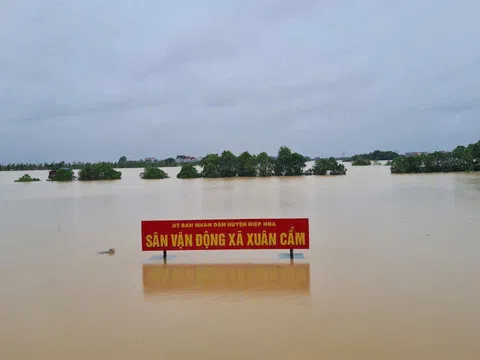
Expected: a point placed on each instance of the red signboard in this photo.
(225, 234)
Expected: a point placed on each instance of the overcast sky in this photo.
(97, 79)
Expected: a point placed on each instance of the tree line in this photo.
(376, 155)
(100, 171)
(461, 159)
(286, 163)
(123, 162)
(226, 165)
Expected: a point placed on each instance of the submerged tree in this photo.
(361, 162)
(26, 178)
(376, 155)
(210, 166)
(152, 173)
(227, 165)
(265, 165)
(62, 174)
(288, 163)
(327, 166)
(122, 162)
(246, 165)
(460, 159)
(100, 171)
(188, 171)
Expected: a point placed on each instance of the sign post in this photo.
(225, 234)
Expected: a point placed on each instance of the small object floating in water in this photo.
(110, 251)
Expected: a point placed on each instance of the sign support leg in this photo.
(164, 254)
(291, 254)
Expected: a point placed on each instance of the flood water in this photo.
(392, 273)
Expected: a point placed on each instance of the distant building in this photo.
(53, 173)
(150, 159)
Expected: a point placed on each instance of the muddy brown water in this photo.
(393, 270)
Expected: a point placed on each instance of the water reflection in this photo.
(265, 279)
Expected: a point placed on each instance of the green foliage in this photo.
(281, 162)
(151, 173)
(170, 162)
(188, 171)
(246, 165)
(361, 162)
(406, 164)
(325, 166)
(265, 165)
(475, 148)
(227, 165)
(460, 159)
(26, 178)
(123, 162)
(63, 174)
(388, 163)
(288, 163)
(211, 166)
(338, 169)
(100, 171)
(376, 155)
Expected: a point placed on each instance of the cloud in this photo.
(97, 80)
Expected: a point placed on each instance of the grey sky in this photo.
(98, 79)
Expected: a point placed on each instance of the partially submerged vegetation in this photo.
(100, 171)
(225, 165)
(62, 174)
(26, 178)
(286, 163)
(122, 162)
(376, 155)
(327, 166)
(361, 162)
(188, 171)
(461, 159)
(151, 173)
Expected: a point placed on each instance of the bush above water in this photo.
(26, 178)
(100, 171)
(361, 162)
(188, 171)
(286, 163)
(327, 166)
(460, 159)
(62, 175)
(151, 173)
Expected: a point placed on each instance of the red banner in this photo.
(225, 234)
